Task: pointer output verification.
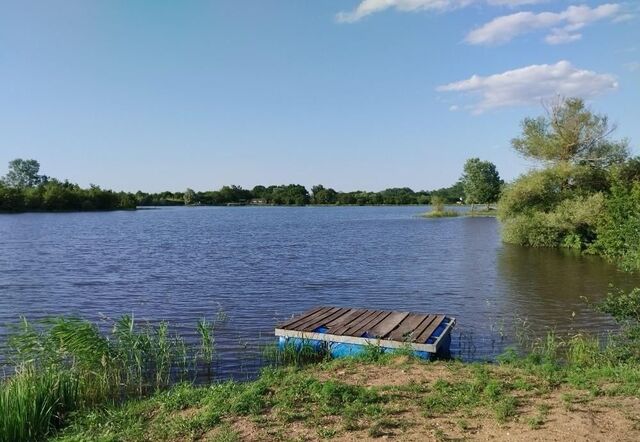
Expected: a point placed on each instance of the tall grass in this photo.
(63, 365)
(296, 353)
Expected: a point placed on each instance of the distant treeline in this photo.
(23, 190)
(56, 196)
(295, 194)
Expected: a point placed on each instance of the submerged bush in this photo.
(555, 207)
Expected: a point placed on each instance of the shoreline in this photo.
(387, 397)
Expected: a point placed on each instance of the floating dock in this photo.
(348, 331)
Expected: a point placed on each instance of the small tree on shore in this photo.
(481, 182)
(189, 197)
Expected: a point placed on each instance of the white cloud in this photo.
(530, 85)
(563, 25)
(368, 7)
(514, 3)
(561, 36)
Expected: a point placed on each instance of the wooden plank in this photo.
(427, 332)
(359, 320)
(390, 322)
(303, 319)
(358, 331)
(422, 326)
(368, 314)
(407, 326)
(365, 320)
(347, 317)
(324, 321)
(298, 317)
(317, 317)
(343, 311)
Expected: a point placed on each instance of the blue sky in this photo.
(353, 94)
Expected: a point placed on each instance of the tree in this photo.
(481, 182)
(563, 203)
(570, 132)
(321, 195)
(189, 197)
(23, 173)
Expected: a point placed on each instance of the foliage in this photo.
(33, 404)
(623, 306)
(189, 197)
(481, 182)
(571, 202)
(23, 173)
(67, 364)
(24, 190)
(619, 228)
(570, 132)
(39, 193)
(320, 195)
(452, 195)
(437, 203)
(571, 224)
(438, 209)
(355, 394)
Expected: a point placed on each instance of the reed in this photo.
(205, 331)
(65, 364)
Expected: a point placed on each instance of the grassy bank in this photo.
(555, 391)
(441, 214)
(74, 383)
(62, 366)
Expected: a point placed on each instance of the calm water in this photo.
(260, 265)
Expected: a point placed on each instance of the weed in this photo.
(66, 364)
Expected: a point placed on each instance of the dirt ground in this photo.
(581, 419)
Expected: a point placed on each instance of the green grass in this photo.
(66, 365)
(441, 214)
(323, 399)
(482, 390)
(188, 411)
(33, 404)
(74, 383)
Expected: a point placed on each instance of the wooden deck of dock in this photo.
(363, 326)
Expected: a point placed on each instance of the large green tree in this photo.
(23, 173)
(570, 132)
(481, 182)
(561, 203)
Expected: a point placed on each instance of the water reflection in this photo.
(553, 288)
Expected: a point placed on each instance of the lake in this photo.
(262, 264)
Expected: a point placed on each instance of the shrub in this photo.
(619, 228)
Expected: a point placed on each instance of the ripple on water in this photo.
(262, 264)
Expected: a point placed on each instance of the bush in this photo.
(571, 223)
(619, 228)
(68, 365)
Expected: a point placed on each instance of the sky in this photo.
(352, 94)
